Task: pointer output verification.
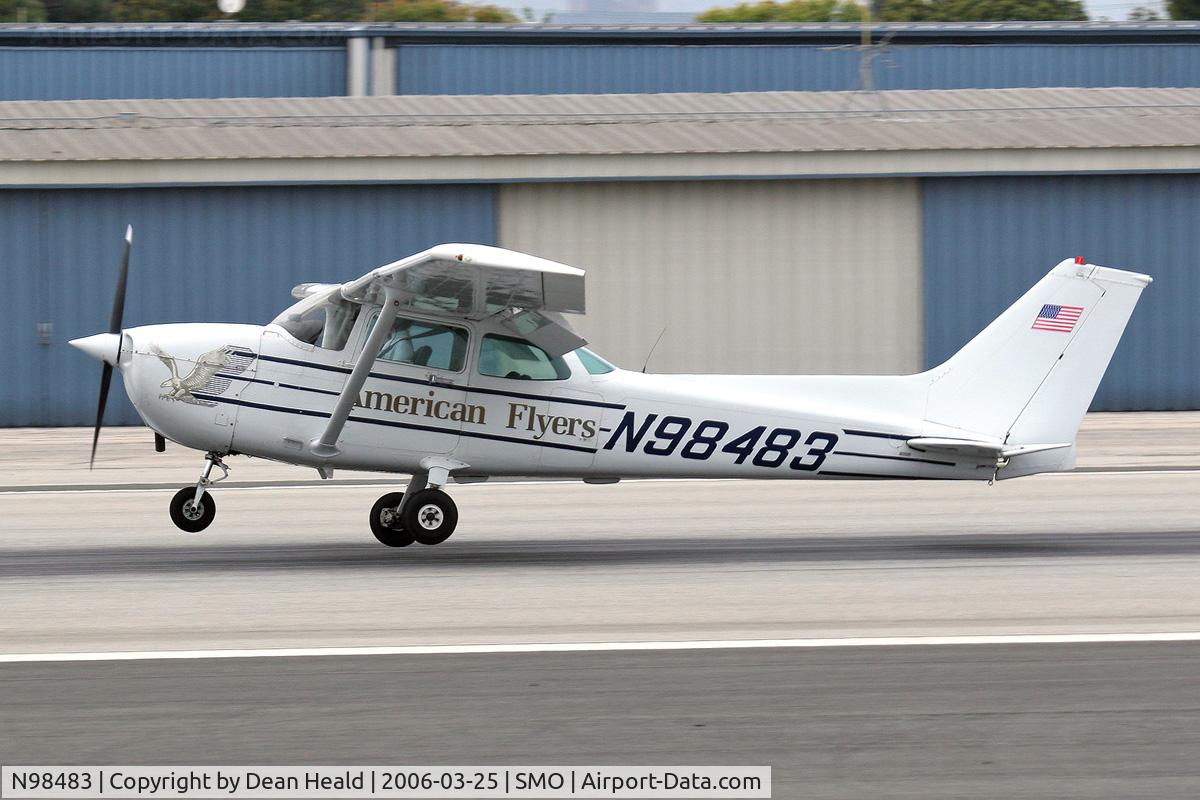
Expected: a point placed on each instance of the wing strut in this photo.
(325, 446)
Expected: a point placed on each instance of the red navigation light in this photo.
(1078, 259)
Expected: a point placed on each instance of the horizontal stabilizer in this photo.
(982, 450)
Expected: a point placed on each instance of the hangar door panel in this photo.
(987, 240)
(746, 276)
(27, 326)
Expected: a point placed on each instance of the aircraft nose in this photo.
(103, 346)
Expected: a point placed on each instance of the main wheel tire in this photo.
(430, 516)
(385, 522)
(187, 515)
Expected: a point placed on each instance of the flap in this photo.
(547, 334)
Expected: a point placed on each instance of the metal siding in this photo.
(1031, 65)
(22, 391)
(66, 73)
(748, 277)
(200, 255)
(585, 69)
(50, 73)
(986, 240)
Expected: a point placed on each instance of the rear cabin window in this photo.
(507, 357)
(425, 344)
(594, 364)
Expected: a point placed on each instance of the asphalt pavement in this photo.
(89, 563)
(1068, 721)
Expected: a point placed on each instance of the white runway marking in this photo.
(609, 647)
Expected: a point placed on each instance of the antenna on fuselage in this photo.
(656, 341)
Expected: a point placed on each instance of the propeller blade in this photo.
(118, 307)
(105, 380)
(114, 326)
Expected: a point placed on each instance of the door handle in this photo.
(438, 380)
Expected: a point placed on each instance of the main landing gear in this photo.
(193, 507)
(423, 514)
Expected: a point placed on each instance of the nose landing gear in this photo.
(193, 508)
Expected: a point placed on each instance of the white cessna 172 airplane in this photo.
(458, 363)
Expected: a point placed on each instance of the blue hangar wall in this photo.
(200, 254)
(988, 239)
(195, 61)
(589, 69)
(233, 254)
(97, 73)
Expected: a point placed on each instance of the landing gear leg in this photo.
(193, 507)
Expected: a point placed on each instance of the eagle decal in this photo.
(210, 374)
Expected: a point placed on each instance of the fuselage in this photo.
(262, 391)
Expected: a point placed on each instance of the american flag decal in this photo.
(1057, 318)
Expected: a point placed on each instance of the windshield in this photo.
(324, 320)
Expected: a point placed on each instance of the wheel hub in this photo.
(430, 517)
(192, 510)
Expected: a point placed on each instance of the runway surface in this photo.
(1039, 721)
(292, 564)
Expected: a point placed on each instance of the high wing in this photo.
(471, 280)
(475, 280)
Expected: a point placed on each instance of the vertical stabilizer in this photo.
(1030, 376)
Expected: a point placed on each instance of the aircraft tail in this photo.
(1028, 378)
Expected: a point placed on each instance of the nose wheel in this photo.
(190, 516)
(193, 507)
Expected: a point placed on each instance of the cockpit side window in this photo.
(425, 344)
(325, 321)
(509, 357)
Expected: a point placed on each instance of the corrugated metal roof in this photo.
(766, 122)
